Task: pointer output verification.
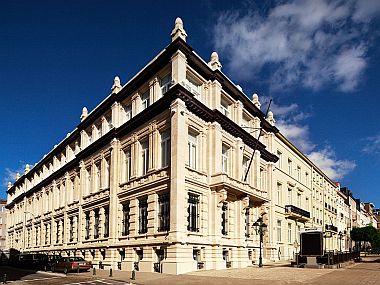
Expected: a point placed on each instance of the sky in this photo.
(318, 60)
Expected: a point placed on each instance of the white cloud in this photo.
(334, 168)
(372, 145)
(291, 123)
(10, 175)
(298, 43)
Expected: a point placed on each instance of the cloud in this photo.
(334, 168)
(372, 145)
(10, 175)
(298, 43)
(292, 124)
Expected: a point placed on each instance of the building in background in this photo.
(3, 224)
(162, 175)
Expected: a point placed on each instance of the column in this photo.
(179, 64)
(115, 161)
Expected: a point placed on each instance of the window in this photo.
(165, 83)
(97, 181)
(306, 178)
(193, 87)
(106, 222)
(89, 136)
(96, 224)
(109, 122)
(193, 204)
(307, 204)
(290, 200)
(127, 164)
(279, 190)
(245, 167)
(224, 108)
(126, 216)
(279, 238)
(165, 148)
(225, 151)
(224, 218)
(192, 145)
(289, 233)
(71, 230)
(98, 130)
(144, 157)
(164, 212)
(47, 236)
(245, 122)
(262, 179)
(298, 231)
(247, 224)
(279, 162)
(107, 173)
(127, 113)
(290, 170)
(57, 232)
(299, 200)
(88, 180)
(298, 173)
(145, 100)
(143, 215)
(87, 226)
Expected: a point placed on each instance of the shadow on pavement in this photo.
(14, 273)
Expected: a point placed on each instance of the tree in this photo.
(366, 234)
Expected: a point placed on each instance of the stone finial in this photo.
(9, 185)
(239, 87)
(27, 169)
(270, 118)
(255, 100)
(178, 30)
(214, 61)
(18, 176)
(116, 87)
(84, 114)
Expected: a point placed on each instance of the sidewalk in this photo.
(275, 274)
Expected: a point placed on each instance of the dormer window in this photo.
(145, 100)
(193, 86)
(224, 108)
(166, 83)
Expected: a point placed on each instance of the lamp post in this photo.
(340, 235)
(260, 228)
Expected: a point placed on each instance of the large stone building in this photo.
(3, 223)
(155, 176)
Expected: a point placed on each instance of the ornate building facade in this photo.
(154, 177)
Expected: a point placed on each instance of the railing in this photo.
(295, 210)
(331, 228)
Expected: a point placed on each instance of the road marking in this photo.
(104, 281)
(35, 279)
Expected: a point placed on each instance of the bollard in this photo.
(78, 269)
(110, 272)
(93, 271)
(133, 275)
(5, 279)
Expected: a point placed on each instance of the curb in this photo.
(51, 273)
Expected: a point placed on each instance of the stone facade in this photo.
(159, 176)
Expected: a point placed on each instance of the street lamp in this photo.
(340, 235)
(260, 228)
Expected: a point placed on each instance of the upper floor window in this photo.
(298, 173)
(224, 107)
(245, 122)
(290, 167)
(71, 229)
(163, 212)
(192, 150)
(298, 200)
(245, 167)
(279, 190)
(225, 152)
(127, 165)
(97, 181)
(165, 148)
(127, 113)
(193, 213)
(306, 178)
(166, 83)
(107, 173)
(87, 226)
(144, 157)
(193, 86)
(289, 232)
(98, 128)
(96, 223)
(145, 100)
(290, 200)
(279, 162)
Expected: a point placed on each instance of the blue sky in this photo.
(318, 60)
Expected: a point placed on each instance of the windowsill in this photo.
(194, 234)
